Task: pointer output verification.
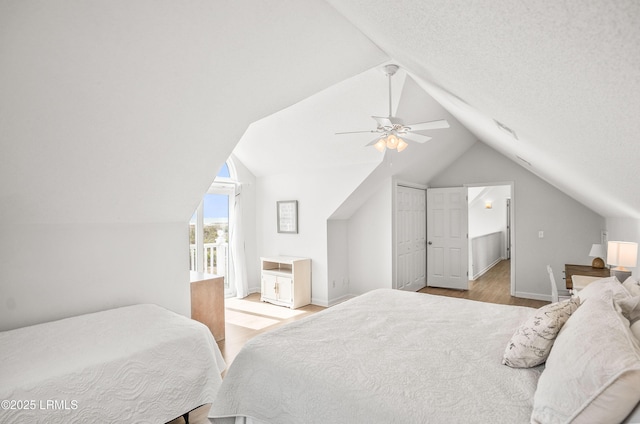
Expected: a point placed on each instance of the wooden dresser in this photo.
(207, 302)
(570, 270)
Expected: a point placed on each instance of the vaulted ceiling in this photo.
(564, 77)
(121, 112)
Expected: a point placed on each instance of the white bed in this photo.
(138, 364)
(391, 356)
(386, 356)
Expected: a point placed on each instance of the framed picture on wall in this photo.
(288, 216)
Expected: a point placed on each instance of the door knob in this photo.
(430, 243)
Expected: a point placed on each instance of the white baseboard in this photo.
(341, 299)
(534, 296)
(322, 303)
(484, 271)
(332, 302)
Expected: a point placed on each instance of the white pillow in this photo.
(630, 308)
(632, 286)
(635, 329)
(530, 344)
(592, 374)
(599, 288)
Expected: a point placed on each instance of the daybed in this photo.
(390, 356)
(136, 364)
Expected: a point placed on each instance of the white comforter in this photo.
(386, 356)
(138, 364)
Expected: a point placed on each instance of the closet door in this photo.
(411, 255)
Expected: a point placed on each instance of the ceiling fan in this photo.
(392, 133)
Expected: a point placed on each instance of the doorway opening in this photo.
(211, 229)
(490, 235)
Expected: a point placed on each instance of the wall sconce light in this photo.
(488, 204)
(622, 254)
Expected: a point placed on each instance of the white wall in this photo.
(569, 227)
(624, 229)
(370, 243)
(116, 116)
(338, 259)
(101, 103)
(484, 221)
(319, 193)
(54, 271)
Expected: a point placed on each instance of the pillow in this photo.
(630, 308)
(635, 329)
(532, 341)
(599, 288)
(634, 416)
(632, 286)
(592, 374)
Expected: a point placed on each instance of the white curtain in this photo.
(237, 254)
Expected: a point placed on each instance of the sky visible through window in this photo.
(216, 206)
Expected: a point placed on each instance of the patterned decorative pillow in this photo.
(532, 341)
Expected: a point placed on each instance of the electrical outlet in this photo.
(540, 234)
(334, 284)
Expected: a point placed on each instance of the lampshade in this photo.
(380, 145)
(597, 253)
(622, 254)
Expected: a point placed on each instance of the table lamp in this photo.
(597, 253)
(622, 254)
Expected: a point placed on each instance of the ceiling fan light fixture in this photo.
(402, 145)
(380, 145)
(392, 142)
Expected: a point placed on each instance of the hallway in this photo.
(492, 287)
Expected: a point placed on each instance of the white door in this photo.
(411, 255)
(447, 235)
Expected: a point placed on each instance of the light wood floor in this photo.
(492, 287)
(246, 318)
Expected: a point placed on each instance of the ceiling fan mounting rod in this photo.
(390, 71)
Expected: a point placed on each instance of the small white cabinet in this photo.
(286, 281)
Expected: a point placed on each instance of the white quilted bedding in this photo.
(386, 356)
(138, 364)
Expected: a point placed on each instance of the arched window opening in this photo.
(209, 228)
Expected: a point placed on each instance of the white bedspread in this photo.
(138, 364)
(386, 356)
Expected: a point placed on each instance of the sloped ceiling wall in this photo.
(115, 116)
(565, 76)
(111, 102)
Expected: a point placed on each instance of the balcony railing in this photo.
(215, 259)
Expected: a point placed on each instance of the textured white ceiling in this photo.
(565, 76)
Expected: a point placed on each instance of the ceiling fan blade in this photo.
(383, 121)
(418, 138)
(432, 125)
(355, 132)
